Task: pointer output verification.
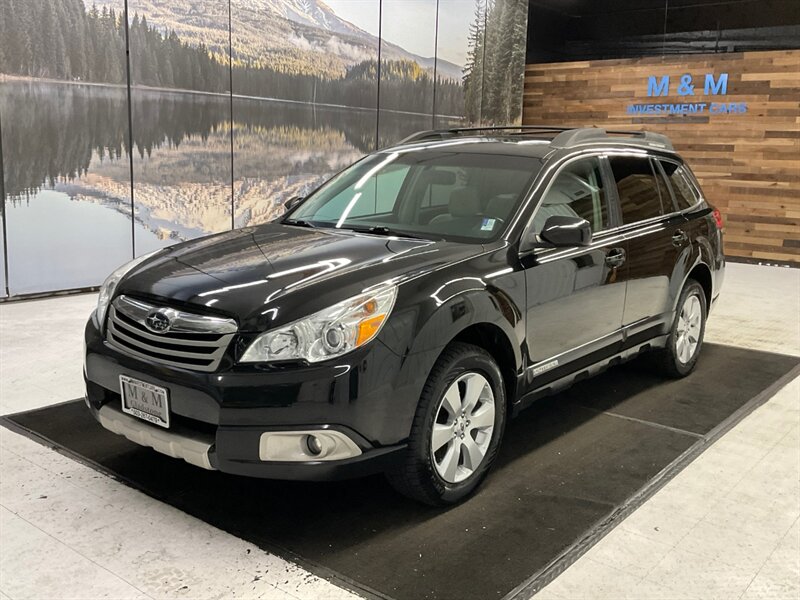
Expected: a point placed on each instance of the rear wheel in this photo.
(457, 428)
(679, 357)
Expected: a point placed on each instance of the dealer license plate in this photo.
(144, 400)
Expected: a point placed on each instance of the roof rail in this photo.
(441, 134)
(567, 136)
(574, 137)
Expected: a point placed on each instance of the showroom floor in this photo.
(725, 527)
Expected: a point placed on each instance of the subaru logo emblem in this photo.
(157, 322)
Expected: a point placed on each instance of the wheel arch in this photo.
(494, 340)
(693, 264)
(701, 273)
(489, 319)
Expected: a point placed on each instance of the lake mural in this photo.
(219, 125)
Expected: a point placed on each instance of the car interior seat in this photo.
(463, 211)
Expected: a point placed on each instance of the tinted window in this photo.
(430, 193)
(667, 205)
(637, 187)
(684, 192)
(577, 191)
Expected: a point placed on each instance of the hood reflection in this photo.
(250, 272)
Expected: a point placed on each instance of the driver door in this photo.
(575, 295)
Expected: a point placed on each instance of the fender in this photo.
(450, 310)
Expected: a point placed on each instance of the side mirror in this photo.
(566, 231)
(292, 202)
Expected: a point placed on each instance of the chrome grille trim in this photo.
(182, 322)
(195, 342)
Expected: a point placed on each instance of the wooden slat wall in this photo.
(748, 165)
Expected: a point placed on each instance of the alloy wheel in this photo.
(463, 427)
(687, 333)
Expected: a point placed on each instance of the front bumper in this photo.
(218, 419)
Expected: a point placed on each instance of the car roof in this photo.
(530, 140)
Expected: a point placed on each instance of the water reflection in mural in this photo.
(304, 101)
(182, 175)
(67, 184)
(283, 150)
(63, 160)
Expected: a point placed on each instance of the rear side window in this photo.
(685, 195)
(637, 187)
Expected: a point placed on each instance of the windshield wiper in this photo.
(299, 223)
(383, 230)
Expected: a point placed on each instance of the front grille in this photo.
(192, 341)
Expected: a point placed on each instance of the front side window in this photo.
(685, 195)
(434, 194)
(637, 187)
(577, 191)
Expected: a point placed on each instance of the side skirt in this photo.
(593, 369)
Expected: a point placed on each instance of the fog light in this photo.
(313, 444)
(306, 446)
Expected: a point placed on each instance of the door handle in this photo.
(679, 238)
(615, 258)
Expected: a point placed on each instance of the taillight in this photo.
(718, 218)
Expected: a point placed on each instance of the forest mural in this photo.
(220, 111)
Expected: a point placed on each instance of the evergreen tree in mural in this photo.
(473, 69)
(493, 75)
(60, 40)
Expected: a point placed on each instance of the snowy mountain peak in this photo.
(314, 13)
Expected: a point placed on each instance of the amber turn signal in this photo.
(368, 328)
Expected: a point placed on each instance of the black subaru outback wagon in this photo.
(396, 318)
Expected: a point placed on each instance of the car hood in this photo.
(274, 272)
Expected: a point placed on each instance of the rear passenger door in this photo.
(656, 237)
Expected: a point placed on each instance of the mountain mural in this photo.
(305, 92)
(295, 36)
(181, 49)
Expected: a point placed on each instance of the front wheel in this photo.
(457, 429)
(679, 357)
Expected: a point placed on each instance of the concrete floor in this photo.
(726, 527)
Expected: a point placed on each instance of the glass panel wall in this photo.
(180, 93)
(64, 111)
(304, 99)
(408, 58)
(302, 87)
(502, 62)
(3, 288)
(457, 41)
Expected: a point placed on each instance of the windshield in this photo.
(431, 194)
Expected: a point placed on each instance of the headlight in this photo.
(327, 334)
(110, 285)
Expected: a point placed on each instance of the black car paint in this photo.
(527, 305)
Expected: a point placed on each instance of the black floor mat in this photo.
(568, 467)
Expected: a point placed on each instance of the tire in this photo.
(428, 475)
(679, 357)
